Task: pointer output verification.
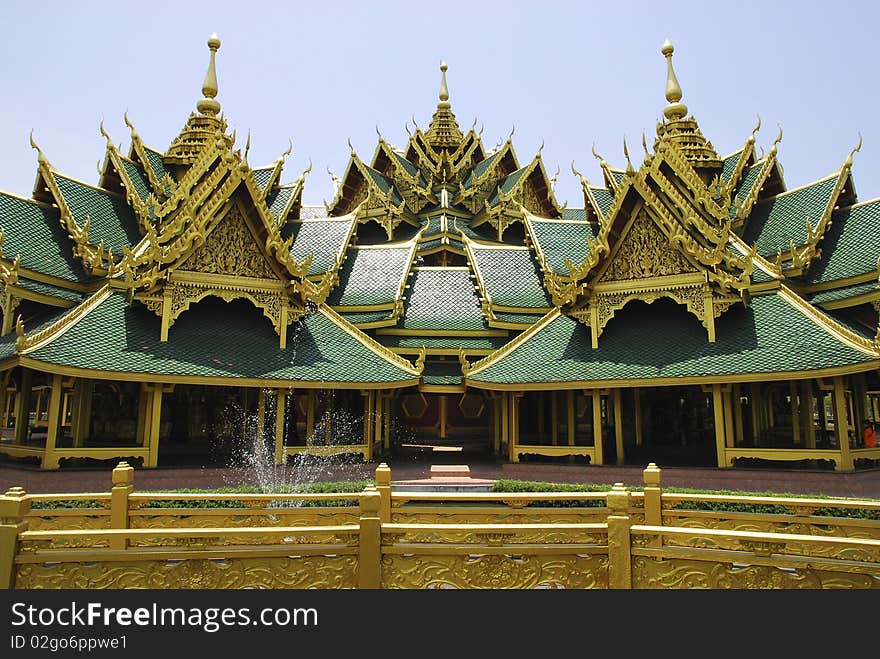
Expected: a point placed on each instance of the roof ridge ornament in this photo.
(849, 159)
(208, 105)
(676, 109)
(444, 90)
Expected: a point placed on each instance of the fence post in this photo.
(653, 499)
(14, 505)
(123, 486)
(370, 545)
(619, 560)
(383, 484)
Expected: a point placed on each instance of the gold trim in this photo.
(27, 344)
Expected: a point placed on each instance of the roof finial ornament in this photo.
(444, 90)
(849, 159)
(676, 109)
(598, 157)
(555, 176)
(41, 158)
(578, 174)
(776, 141)
(289, 149)
(104, 133)
(629, 166)
(512, 131)
(414, 122)
(208, 105)
(540, 148)
(406, 127)
(350, 146)
(645, 144)
(247, 144)
(379, 133)
(757, 127)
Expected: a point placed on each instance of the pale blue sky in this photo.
(569, 73)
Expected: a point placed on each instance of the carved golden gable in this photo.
(230, 249)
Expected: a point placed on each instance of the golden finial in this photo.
(675, 109)
(444, 90)
(379, 133)
(578, 174)
(415, 125)
(41, 158)
(406, 127)
(247, 144)
(757, 127)
(540, 148)
(350, 146)
(512, 131)
(104, 133)
(209, 87)
(644, 144)
(629, 165)
(776, 141)
(598, 157)
(849, 159)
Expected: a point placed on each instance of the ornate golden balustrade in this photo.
(614, 539)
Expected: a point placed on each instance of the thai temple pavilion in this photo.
(694, 305)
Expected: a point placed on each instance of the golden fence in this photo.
(378, 538)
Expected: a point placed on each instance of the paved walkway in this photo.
(864, 483)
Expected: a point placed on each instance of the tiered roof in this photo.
(440, 264)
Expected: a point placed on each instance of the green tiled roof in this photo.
(728, 166)
(157, 164)
(617, 175)
(410, 168)
(745, 185)
(34, 231)
(509, 276)
(851, 244)
(507, 184)
(430, 244)
(49, 289)
(442, 299)
(520, 318)
(42, 319)
(385, 184)
(840, 315)
(442, 373)
(356, 317)
(454, 342)
(113, 221)
(480, 168)
(208, 340)
(844, 292)
(138, 178)
(562, 240)
(312, 212)
(773, 223)
(432, 228)
(769, 336)
(576, 214)
(278, 200)
(321, 238)
(263, 176)
(604, 198)
(371, 276)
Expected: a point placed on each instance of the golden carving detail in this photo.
(495, 571)
(272, 572)
(644, 253)
(230, 249)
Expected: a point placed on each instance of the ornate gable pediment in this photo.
(230, 249)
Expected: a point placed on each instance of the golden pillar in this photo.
(597, 427)
(637, 405)
(841, 427)
(442, 403)
(755, 399)
(795, 413)
(23, 406)
(738, 428)
(280, 406)
(806, 412)
(728, 415)
(154, 413)
(261, 414)
(718, 409)
(618, 425)
(53, 424)
(310, 417)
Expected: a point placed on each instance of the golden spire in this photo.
(444, 90)
(209, 88)
(675, 109)
(444, 131)
(202, 128)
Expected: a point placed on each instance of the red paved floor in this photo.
(864, 483)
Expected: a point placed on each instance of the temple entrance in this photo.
(441, 423)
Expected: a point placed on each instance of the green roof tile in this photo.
(312, 212)
(604, 198)
(844, 292)
(768, 337)
(442, 299)
(442, 373)
(42, 318)
(138, 178)
(278, 200)
(263, 176)
(385, 184)
(371, 276)
(453, 342)
(157, 164)
(356, 317)
(211, 340)
(507, 184)
(775, 222)
(576, 214)
(49, 289)
(480, 169)
(34, 231)
(519, 318)
(509, 276)
(112, 220)
(322, 239)
(728, 166)
(617, 175)
(562, 240)
(851, 244)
